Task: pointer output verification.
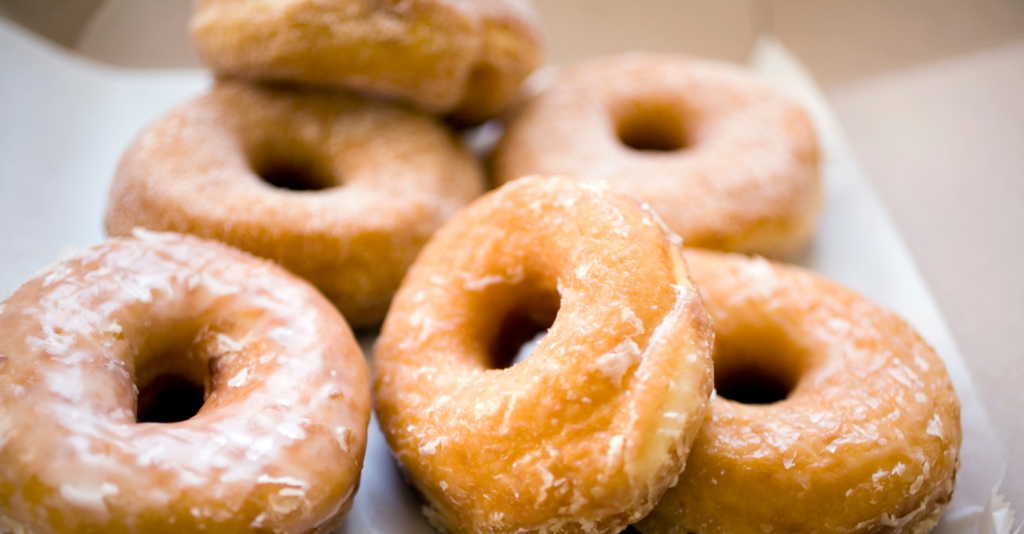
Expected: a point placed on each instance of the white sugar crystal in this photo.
(935, 427)
(239, 379)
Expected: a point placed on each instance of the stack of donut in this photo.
(163, 382)
(833, 415)
(317, 147)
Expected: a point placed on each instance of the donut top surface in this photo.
(277, 444)
(726, 160)
(340, 190)
(587, 432)
(466, 58)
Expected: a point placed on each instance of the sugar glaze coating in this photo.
(728, 162)
(465, 58)
(588, 432)
(276, 447)
(867, 440)
(389, 178)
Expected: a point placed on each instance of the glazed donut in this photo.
(373, 182)
(866, 440)
(588, 432)
(276, 445)
(725, 160)
(446, 56)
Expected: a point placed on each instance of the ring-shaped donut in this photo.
(586, 433)
(867, 439)
(372, 182)
(276, 446)
(462, 58)
(725, 160)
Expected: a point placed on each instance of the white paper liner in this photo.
(858, 245)
(66, 122)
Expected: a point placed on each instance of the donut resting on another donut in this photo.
(466, 59)
(587, 432)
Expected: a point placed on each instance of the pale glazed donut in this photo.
(586, 433)
(277, 445)
(446, 56)
(867, 440)
(725, 160)
(401, 174)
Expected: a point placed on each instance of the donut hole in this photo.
(652, 127)
(293, 168)
(484, 83)
(169, 399)
(519, 336)
(756, 366)
(522, 328)
(752, 385)
(172, 369)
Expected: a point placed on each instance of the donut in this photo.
(339, 190)
(586, 433)
(725, 160)
(280, 386)
(863, 435)
(445, 56)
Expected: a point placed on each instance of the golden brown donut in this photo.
(446, 56)
(378, 181)
(725, 160)
(277, 444)
(867, 439)
(586, 433)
